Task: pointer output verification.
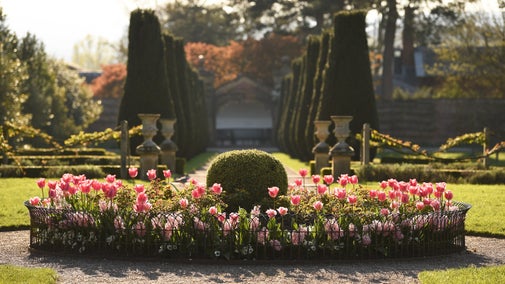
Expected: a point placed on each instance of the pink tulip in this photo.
(383, 184)
(273, 191)
(201, 188)
(303, 172)
(213, 210)
(67, 178)
(139, 188)
(352, 199)
(52, 184)
(438, 194)
(373, 193)
(413, 182)
(394, 204)
(343, 180)
(341, 193)
(217, 189)
(405, 198)
(140, 229)
(295, 199)
(321, 188)
(328, 179)
(41, 182)
(85, 187)
(167, 173)
(52, 193)
(353, 179)
(234, 217)
(316, 179)
(151, 174)
(133, 172)
(448, 195)
(195, 193)
(271, 213)
(298, 182)
(440, 186)
(381, 195)
(385, 211)
(142, 198)
(221, 217)
(318, 205)
(96, 185)
(282, 211)
(403, 186)
(420, 205)
(35, 201)
(110, 178)
(183, 203)
(435, 204)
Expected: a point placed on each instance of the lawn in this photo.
(16, 274)
(474, 275)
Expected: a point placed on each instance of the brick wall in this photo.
(430, 122)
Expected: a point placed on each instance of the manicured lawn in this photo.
(16, 274)
(474, 275)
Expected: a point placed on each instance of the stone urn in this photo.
(148, 150)
(321, 149)
(168, 147)
(341, 153)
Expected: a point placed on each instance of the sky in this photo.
(60, 24)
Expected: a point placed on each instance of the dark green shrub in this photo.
(245, 176)
(87, 170)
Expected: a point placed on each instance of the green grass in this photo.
(487, 203)
(199, 161)
(291, 163)
(16, 274)
(13, 192)
(472, 274)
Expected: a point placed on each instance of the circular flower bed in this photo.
(317, 219)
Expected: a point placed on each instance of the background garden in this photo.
(46, 109)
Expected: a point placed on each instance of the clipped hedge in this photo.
(246, 175)
(379, 172)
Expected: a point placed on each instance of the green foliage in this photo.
(431, 172)
(245, 176)
(469, 62)
(467, 138)
(347, 86)
(471, 274)
(95, 138)
(29, 275)
(146, 86)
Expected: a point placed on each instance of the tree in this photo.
(347, 83)
(73, 108)
(470, 62)
(257, 59)
(195, 21)
(110, 84)
(146, 87)
(93, 52)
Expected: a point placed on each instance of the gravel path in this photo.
(74, 269)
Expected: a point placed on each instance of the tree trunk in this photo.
(388, 58)
(408, 64)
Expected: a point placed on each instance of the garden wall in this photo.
(429, 122)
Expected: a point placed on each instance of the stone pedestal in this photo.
(168, 147)
(341, 153)
(321, 149)
(148, 151)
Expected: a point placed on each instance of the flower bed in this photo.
(325, 220)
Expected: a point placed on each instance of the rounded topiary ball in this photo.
(245, 176)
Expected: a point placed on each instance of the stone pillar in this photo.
(321, 150)
(148, 150)
(168, 147)
(341, 153)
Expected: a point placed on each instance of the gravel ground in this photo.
(73, 269)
